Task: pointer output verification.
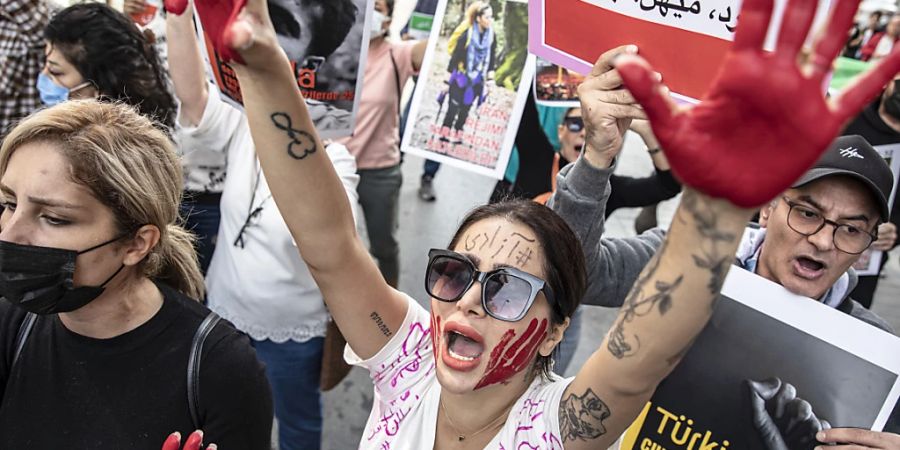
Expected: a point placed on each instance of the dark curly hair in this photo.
(109, 51)
(564, 265)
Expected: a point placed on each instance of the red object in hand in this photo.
(216, 17)
(194, 441)
(146, 16)
(176, 7)
(763, 122)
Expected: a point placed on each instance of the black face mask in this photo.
(892, 103)
(39, 279)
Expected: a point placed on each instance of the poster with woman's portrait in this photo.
(473, 84)
(327, 42)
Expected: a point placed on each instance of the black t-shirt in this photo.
(130, 392)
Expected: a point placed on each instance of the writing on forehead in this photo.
(514, 246)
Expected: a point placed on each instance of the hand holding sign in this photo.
(765, 120)
(855, 438)
(607, 108)
(217, 17)
(194, 441)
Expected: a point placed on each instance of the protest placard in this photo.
(685, 40)
(473, 85)
(327, 42)
(870, 260)
(555, 85)
(763, 353)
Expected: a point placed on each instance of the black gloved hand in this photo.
(783, 420)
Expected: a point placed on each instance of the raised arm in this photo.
(186, 63)
(583, 188)
(304, 184)
(746, 120)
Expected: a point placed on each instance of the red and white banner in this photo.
(685, 40)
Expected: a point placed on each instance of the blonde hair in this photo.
(131, 167)
(472, 12)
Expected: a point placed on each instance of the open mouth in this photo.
(809, 268)
(464, 347)
(579, 147)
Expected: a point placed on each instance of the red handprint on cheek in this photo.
(436, 333)
(506, 362)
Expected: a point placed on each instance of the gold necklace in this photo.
(461, 437)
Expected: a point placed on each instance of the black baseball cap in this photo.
(854, 157)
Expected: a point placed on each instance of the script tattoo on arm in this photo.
(302, 144)
(379, 322)
(711, 257)
(581, 416)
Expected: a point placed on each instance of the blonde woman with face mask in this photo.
(99, 284)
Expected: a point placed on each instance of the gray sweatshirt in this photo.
(614, 264)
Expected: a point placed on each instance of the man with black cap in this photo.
(807, 239)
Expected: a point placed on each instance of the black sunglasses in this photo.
(574, 124)
(506, 293)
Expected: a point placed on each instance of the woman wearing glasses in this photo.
(472, 372)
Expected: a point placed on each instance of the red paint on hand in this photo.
(194, 441)
(764, 121)
(506, 362)
(176, 7)
(173, 442)
(217, 16)
(436, 333)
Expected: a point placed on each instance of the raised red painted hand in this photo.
(217, 16)
(176, 7)
(765, 119)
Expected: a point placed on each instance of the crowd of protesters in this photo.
(165, 266)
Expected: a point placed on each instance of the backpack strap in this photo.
(193, 370)
(22, 336)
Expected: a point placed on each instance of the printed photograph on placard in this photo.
(758, 376)
(869, 262)
(555, 85)
(327, 42)
(472, 87)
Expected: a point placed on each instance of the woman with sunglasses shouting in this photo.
(471, 373)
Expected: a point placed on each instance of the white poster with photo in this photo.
(327, 42)
(870, 260)
(764, 352)
(473, 85)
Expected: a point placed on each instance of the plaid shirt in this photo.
(22, 25)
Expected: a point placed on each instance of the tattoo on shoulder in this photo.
(302, 144)
(380, 324)
(581, 416)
